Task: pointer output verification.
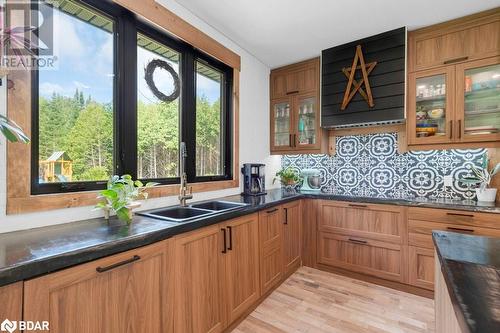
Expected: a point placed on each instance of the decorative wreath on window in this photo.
(149, 71)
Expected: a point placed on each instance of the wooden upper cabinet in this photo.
(295, 110)
(241, 287)
(127, 292)
(199, 281)
(292, 236)
(11, 300)
(293, 79)
(271, 247)
(469, 38)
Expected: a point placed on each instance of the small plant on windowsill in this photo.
(121, 195)
(11, 131)
(482, 177)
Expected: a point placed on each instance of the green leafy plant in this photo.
(482, 176)
(120, 194)
(287, 176)
(12, 131)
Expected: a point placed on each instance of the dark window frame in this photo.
(127, 25)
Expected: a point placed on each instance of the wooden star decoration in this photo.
(350, 72)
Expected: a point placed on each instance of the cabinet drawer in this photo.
(379, 222)
(421, 267)
(420, 232)
(456, 217)
(384, 260)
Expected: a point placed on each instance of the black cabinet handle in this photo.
(358, 241)
(292, 92)
(224, 241)
(451, 129)
(118, 264)
(358, 206)
(230, 247)
(295, 140)
(290, 140)
(272, 210)
(457, 214)
(286, 215)
(451, 61)
(460, 229)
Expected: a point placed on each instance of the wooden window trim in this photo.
(19, 198)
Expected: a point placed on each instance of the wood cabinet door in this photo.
(478, 100)
(291, 237)
(421, 267)
(306, 122)
(241, 286)
(380, 222)
(270, 243)
(384, 260)
(303, 79)
(199, 279)
(282, 128)
(11, 300)
(431, 106)
(278, 84)
(127, 292)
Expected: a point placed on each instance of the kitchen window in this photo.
(109, 110)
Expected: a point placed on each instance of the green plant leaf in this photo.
(123, 215)
(109, 194)
(495, 170)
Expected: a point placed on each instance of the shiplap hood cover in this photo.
(280, 32)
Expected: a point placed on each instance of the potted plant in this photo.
(12, 131)
(288, 177)
(120, 196)
(483, 177)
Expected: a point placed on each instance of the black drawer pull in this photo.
(118, 264)
(460, 229)
(458, 214)
(358, 206)
(286, 215)
(451, 61)
(272, 210)
(224, 241)
(230, 247)
(292, 92)
(358, 241)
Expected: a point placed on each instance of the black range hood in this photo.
(387, 82)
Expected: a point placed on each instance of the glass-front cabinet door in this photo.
(307, 121)
(430, 106)
(478, 95)
(281, 123)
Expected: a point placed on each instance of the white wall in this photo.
(254, 136)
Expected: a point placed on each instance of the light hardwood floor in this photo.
(315, 301)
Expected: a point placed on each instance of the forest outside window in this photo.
(89, 123)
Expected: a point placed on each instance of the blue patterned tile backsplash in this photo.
(370, 166)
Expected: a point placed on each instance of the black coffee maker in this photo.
(254, 182)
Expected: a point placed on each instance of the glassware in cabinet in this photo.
(281, 126)
(479, 90)
(307, 121)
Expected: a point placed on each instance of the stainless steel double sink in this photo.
(179, 214)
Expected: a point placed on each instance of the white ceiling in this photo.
(280, 32)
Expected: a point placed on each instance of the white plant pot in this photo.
(486, 195)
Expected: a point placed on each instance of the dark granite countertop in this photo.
(30, 253)
(471, 269)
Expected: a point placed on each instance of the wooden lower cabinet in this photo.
(217, 275)
(127, 292)
(384, 260)
(446, 319)
(11, 300)
(421, 267)
(199, 281)
(271, 248)
(292, 236)
(241, 282)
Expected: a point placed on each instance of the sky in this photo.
(85, 62)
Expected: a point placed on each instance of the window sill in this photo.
(46, 202)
